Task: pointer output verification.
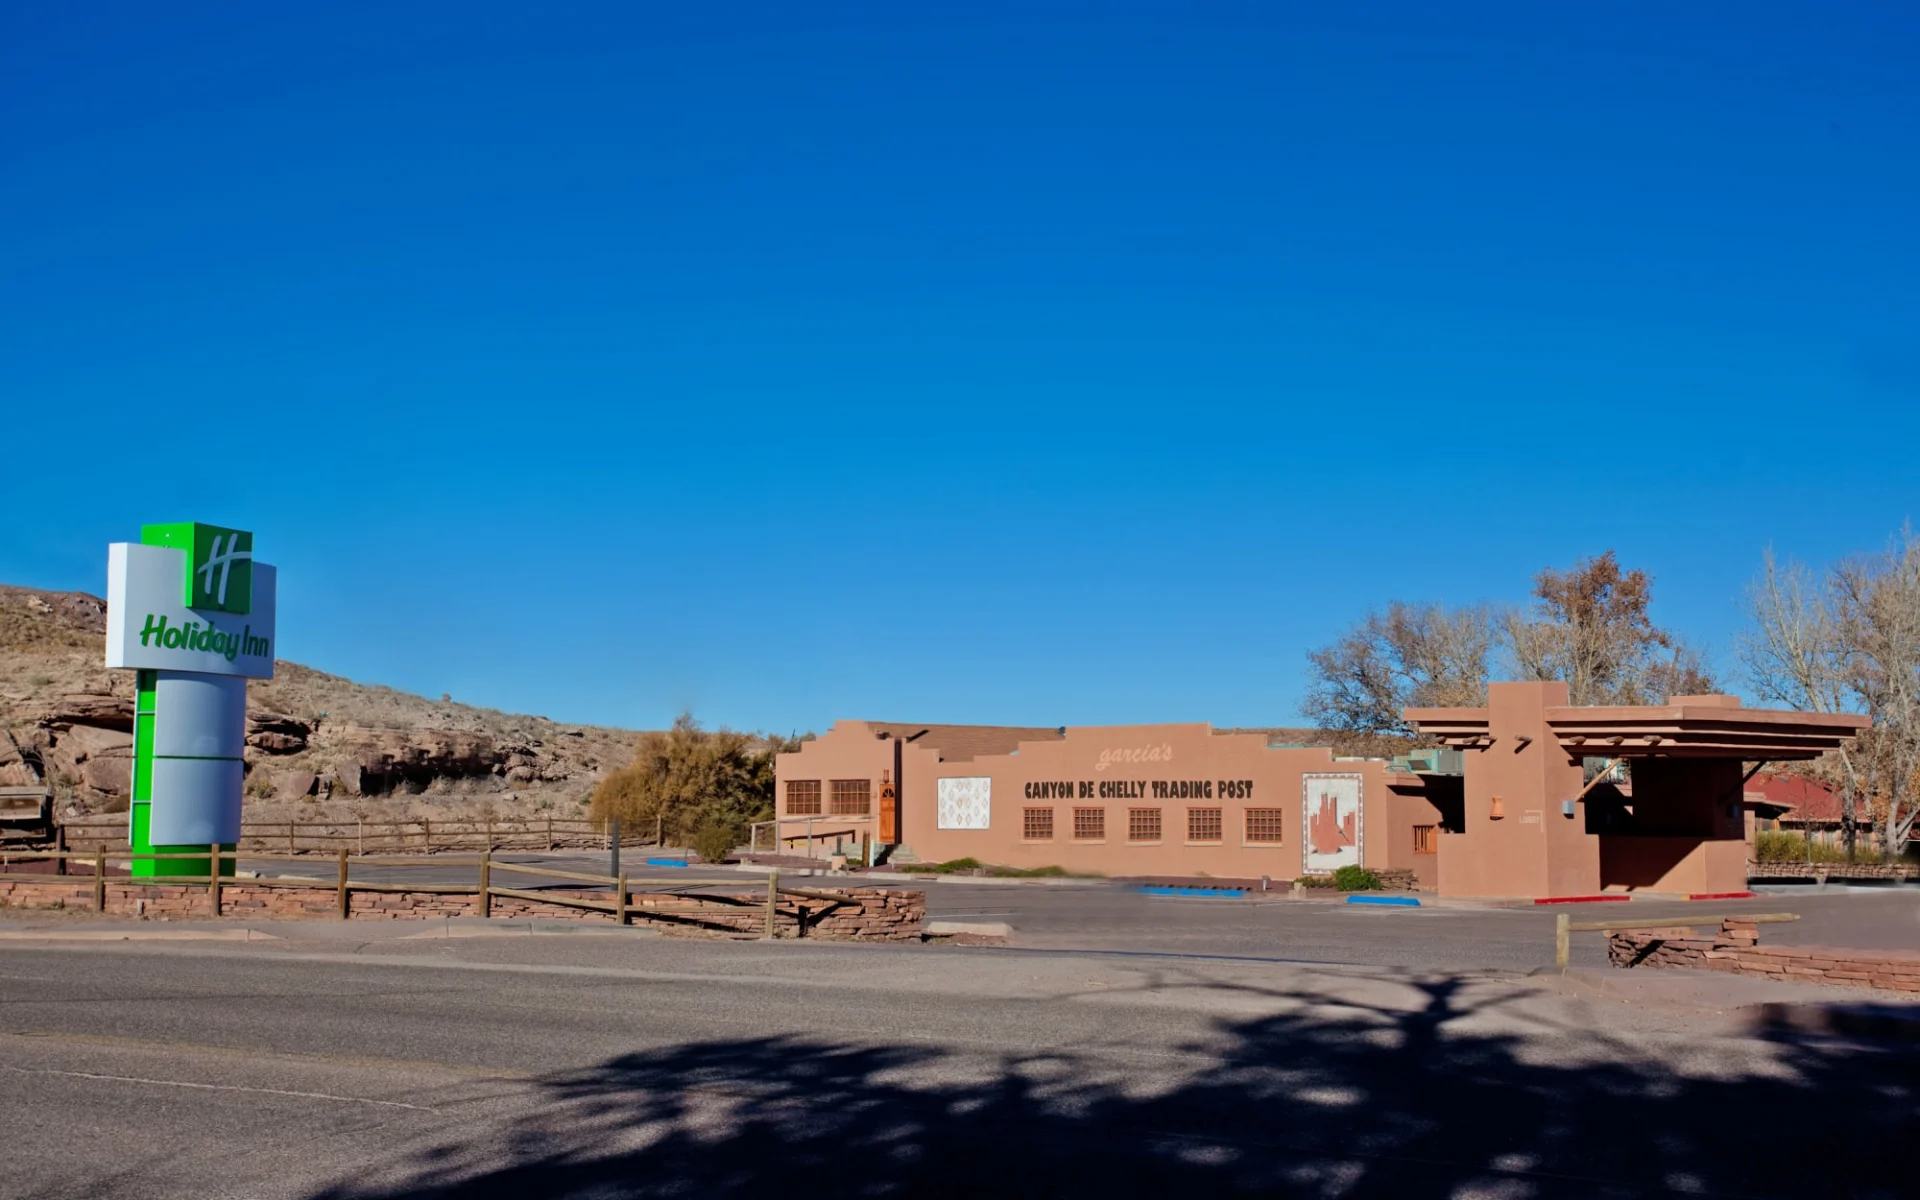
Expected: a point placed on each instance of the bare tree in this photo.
(1590, 628)
(1878, 603)
(1411, 655)
(1849, 641)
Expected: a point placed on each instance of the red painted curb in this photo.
(1723, 895)
(1579, 899)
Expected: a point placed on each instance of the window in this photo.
(1263, 825)
(1143, 824)
(1203, 824)
(852, 797)
(1090, 824)
(1036, 824)
(803, 797)
(1423, 839)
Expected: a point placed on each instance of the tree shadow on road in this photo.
(1333, 1098)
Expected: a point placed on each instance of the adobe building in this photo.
(1527, 798)
(1122, 800)
(1525, 816)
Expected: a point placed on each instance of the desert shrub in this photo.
(950, 866)
(973, 864)
(714, 843)
(1353, 878)
(688, 778)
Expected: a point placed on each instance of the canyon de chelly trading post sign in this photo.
(191, 612)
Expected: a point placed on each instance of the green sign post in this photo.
(191, 612)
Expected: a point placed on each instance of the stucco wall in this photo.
(1172, 768)
(1531, 849)
(848, 751)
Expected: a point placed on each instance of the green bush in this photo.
(1780, 846)
(1315, 881)
(1356, 879)
(715, 843)
(957, 865)
(950, 866)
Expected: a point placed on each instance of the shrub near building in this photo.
(692, 780)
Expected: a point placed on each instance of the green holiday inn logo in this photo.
(219, 563)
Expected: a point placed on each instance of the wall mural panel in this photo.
(965, 803)
(1331, 819)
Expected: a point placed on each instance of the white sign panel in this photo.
(196, 801)
(965, 803)
(150, 626)
(199, 716)
(1331, 822)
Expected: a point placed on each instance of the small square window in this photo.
(1036, 824)
(1203, 824)
(1089, 824)
(803, 797)
(1143, 824)
(1424, 840)
(852, 797)
(1263, 824)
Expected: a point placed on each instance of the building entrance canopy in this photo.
(1686, 727)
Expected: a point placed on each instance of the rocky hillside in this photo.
(314, 741)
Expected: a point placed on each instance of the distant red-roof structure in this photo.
(1805, 800)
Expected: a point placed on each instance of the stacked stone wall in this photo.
(862, 914)
(1735, 949)
(1826, 871)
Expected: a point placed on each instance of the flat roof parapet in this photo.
(1688, 727)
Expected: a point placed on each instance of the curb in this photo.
(138, 935)
(993, 929)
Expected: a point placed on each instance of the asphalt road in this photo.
(1116, 918)
(342, 1063)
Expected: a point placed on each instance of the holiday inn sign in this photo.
(191, 613)
(189, 597)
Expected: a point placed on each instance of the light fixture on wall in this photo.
(1498, 812)
(1566, 808)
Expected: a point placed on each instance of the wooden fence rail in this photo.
(1563, 925)
(483, 889)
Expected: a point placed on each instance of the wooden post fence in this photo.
(343, 884)
(773, 899)
(620, 898)
(1562, 927)
(100, 881)
(213, 880)
(486, 882)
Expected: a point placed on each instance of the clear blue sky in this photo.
(1008, 363)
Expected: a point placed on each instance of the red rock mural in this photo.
(1332, 821)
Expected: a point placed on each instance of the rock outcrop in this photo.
(88, 737)
(276, 733)
(67, 721)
